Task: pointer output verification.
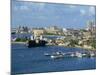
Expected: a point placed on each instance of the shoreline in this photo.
(81, 48)
(75, 47)
(18, 42)
(57, 45)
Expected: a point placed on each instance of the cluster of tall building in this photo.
(91, 27)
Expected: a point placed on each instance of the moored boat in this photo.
(46, 54)
(56, 56)
(34, 42)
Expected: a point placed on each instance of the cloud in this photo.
(42, 5)
(92, 10)
(21, 8)
(18, 6)
(89, 12)
(29, 6)
(82, 11)
(74, 20)
(72, 6)
(39, 6)
(24, 7)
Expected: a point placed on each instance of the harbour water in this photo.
(32, 60)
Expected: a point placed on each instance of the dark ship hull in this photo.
(33, 43)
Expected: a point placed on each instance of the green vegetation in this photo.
(83, 30)
(73, 43)
(93, 44)
(20, 40)
(50, 34)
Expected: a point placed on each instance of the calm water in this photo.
(32, 60)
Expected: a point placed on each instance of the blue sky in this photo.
(35, 14)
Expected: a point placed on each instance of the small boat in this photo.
(92, 55)
(56, 56)
(46, 54)
(60, 53)
(72, 55)
(84, 55)
(78, 54)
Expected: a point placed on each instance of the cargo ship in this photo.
(36, 41)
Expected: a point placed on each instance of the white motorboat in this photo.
(56, 56)
(46, 54)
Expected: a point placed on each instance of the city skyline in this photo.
(41, 14)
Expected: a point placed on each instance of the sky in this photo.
(41, 14)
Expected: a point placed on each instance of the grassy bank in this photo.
(18, 42)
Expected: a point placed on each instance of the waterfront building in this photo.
(38, 31)
(67, 31)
